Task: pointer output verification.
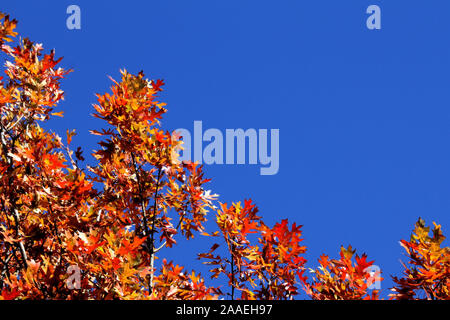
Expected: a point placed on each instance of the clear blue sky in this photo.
(363, 115)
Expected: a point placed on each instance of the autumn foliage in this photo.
(113, 219)
(427, 274)
(344, 279)
(269, 269)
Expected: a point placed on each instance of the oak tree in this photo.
(110, 221)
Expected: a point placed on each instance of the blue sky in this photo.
(363, 115)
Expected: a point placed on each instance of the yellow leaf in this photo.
(58, 114)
